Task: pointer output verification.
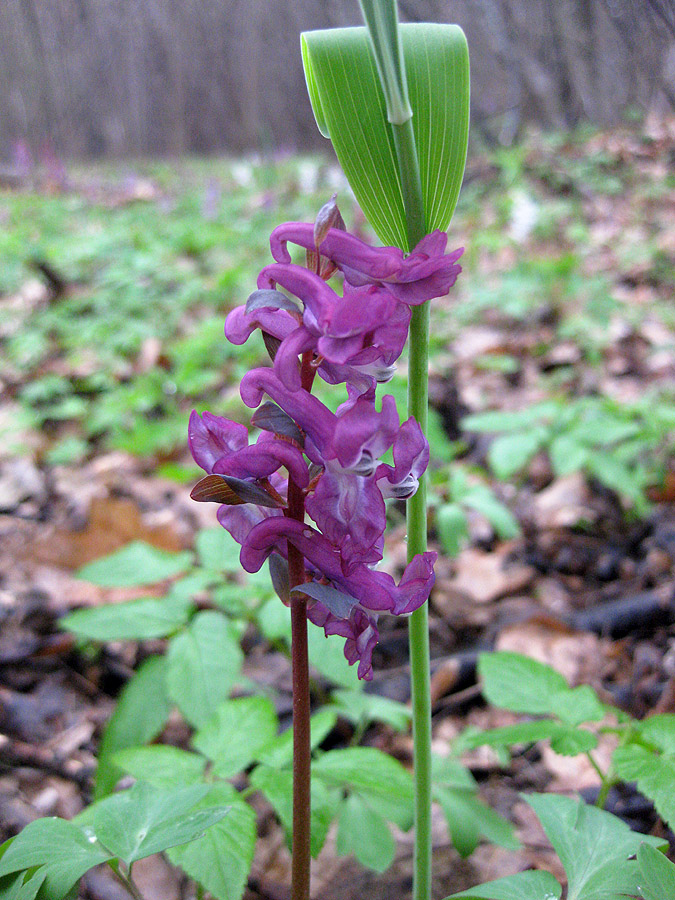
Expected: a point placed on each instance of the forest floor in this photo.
(114, 284)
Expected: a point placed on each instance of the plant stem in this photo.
(411, 185)
(301, 700)
(418, 629)
(418, 633)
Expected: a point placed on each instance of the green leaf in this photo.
(567, 455)
(379, 778)
(135, 565)
(519, 683)
(277, 786)
(659, 730)
(657, 874)
(499, 516)
(61, 847)
(139, 716)
(204, 663)
(523, 886)
(654, 774)
(357, 706)
(596, 848)
(161, 765)
(509, 453)
(570, 741)
(221, 859)
(467, 818)
(349, 106)
(24, 886)
(135, 620)
(577, 705)
(279, 751)
(236, 733)
(144, 820)
(364, 832)
(511, 421)
(217, 550)
(452, 527)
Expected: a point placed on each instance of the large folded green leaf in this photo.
(349, 107)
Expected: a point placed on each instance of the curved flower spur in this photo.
(333, 460)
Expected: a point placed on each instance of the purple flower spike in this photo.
(211, 437)
(381, 262)
(327, 463)
(425, 273)
(261, 459)
(349, 510)
(376, 591)
(411, 458)
(240, 325)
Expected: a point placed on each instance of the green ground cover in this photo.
(566, 241)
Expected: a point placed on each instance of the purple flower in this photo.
(425, 273)
(212, 437)
(411, 458)
(374, 590)
(221, 447)
(332, 460)
(359, 630)
(365, 327)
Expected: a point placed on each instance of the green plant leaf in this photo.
(140, 714)
(134, 565)
(657, 874)
(452, 527)
(659, 730)
(204, 663)
(279, 751)
(144, 820)
(24, 886)
(524, 685)
(363, 832)
(161, 765)
(509, 453)
(654, 774)
(468, 818)
(567, 454)
(220, 860)
(135, 620)
(358, 706)
(64, 850)
(499, 516)
(596, 848)
(277, 786)
(523, 886)
(379, 778)
(217, 550)
(236, 733)
(349, 106)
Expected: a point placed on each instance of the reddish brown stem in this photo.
(301, 705)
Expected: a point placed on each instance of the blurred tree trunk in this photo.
(123, 77)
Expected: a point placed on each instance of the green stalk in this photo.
(418, 633)
(382, 23)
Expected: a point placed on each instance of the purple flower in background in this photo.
(425, 273)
